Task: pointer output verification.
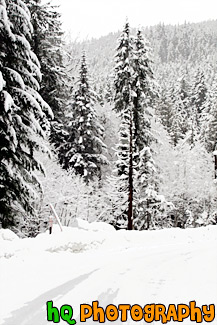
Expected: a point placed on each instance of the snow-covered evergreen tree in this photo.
(144, 91)
(209, 123)
(21, 110)
(179, 122)
(174, 109)
(165, 108)
(46, 42)
(123, 71)
(108, 92)
(133, 95)
(84, 146)
(198, 97)
(123, 102)
(186, 179)
(146, 194)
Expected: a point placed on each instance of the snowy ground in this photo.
(95, 262)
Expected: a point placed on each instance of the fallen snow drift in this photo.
(6, 234)
(83, 236)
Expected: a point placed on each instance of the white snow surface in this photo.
(91, 262)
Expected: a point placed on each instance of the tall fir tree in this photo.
(47, 43)
(198, 97)
(179, 121)
(84, 146)
(165, 108)
(146, 190)
(176, 112)
(133, 86)
(144, 92)
(209, 123)
(22, 111)
(123, 105)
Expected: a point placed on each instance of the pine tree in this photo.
(123, 71)
(133, 95)
(209, 123)
(123, 105)
(146, 194)
(174, 109)
(144, 91)
(108, 92)
(179, 121)
(48, 46)
(198, 97)
(84, 147)
(21, 110)
(165, 109)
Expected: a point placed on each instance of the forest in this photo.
(121, 129)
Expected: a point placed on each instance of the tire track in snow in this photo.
(34, 312)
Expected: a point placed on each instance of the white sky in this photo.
(94, 18)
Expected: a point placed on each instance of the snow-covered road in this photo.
(170, 266)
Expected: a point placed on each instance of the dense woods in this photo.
(121, 129)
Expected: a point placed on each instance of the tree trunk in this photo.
(148, 216)
(215, 160)
(130, 198)
(215, 157)
(35, 36)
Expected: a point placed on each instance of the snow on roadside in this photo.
(85, 236)
(6, 234)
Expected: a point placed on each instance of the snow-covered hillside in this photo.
(94, 262)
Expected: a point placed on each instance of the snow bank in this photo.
(165, 237)
(6, 234)
(70, 239)
(77, 239)
(6, 249)
(8, 242)
(85, 236)
(94, 226)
